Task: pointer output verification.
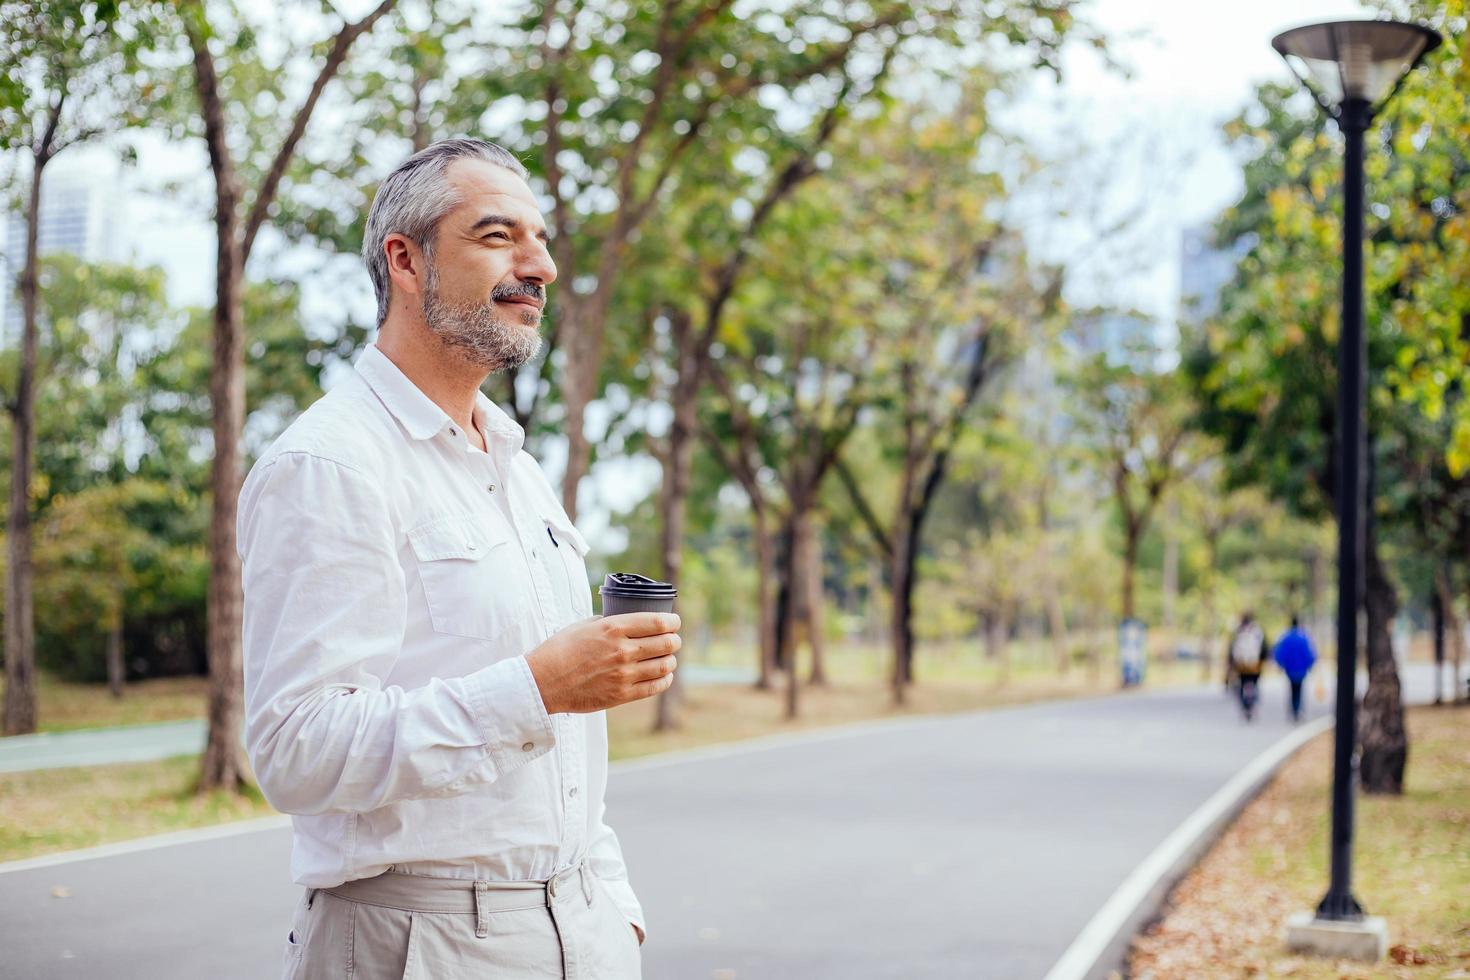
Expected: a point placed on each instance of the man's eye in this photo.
(500, 235)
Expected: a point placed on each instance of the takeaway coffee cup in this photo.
(626, 592)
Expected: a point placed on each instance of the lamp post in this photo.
(1352, 68)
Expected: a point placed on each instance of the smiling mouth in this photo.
(533, 304)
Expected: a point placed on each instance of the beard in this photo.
(478, 332)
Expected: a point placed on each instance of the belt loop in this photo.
(482, 914)
(587, 890)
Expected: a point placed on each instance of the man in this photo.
(424, 685)
(1295, 655)
(1248, 652)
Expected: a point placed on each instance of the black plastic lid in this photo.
(631, 585)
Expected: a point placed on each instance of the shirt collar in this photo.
(417, 413)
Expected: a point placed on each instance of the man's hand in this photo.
(602, 663)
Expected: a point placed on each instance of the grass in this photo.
(61, 809)
(63, 706)
(1411, 865)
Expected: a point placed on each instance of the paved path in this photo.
(99, 746)
(976, 845)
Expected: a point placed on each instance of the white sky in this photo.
(1193, 65)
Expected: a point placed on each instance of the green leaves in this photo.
(1266, 368)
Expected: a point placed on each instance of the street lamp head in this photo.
(1357, 62)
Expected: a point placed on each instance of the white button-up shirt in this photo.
(395, 577)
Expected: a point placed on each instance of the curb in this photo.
(1100, 948)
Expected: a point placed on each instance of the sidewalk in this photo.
(100, 746)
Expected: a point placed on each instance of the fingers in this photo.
(648, 670)
(640, 624)
(653, 647)
(648, 689)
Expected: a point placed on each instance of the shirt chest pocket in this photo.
(472, 574)
(567, 556)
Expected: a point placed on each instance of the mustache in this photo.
(503, 293)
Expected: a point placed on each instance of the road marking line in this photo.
(1102, 929)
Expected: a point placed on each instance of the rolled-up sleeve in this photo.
(324, 621)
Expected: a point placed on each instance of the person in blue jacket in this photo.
(1295, 656)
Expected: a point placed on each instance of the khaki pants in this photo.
(413, 927)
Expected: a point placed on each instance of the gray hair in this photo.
(413, 199)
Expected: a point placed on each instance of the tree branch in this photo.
(860, 504)
(268, 188)
(47, 148)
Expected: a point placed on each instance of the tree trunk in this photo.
(224, 762)
(1451, 646)
(584, 321)
(901, 571)
(1436, 607)
(1318, 621)
(20, 625)
(1207, 602)
(1002, 640)
(1170, 577)
(115, 671)
(765, 559)
(1382, 740)
(786, 576)
(1130, 567)
(675, 494)
(809, 568)
(1056, 621)
(874, 627)
(901, 622)
(1462, 688)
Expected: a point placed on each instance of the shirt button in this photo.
(572, 791)
(471, 545)
(528, 746)
(491, 488)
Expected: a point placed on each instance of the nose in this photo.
(536, 265)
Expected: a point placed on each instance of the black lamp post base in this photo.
(1337, 907)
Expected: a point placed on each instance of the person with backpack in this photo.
(1295, 654)
(1248, 655)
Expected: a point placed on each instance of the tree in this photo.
(1137, 420)
(790, 380)
(238, 222)
(722, 251)
(71, 75)
(1264, 368)
(617, 104)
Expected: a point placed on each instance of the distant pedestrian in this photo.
(1248, 655)
(1295, 654)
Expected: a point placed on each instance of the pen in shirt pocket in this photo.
(552, 536)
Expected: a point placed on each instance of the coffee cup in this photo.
(627, 592)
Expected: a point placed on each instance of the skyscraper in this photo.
(80, 215)
(1204, 271)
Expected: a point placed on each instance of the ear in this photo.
(407, 269)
